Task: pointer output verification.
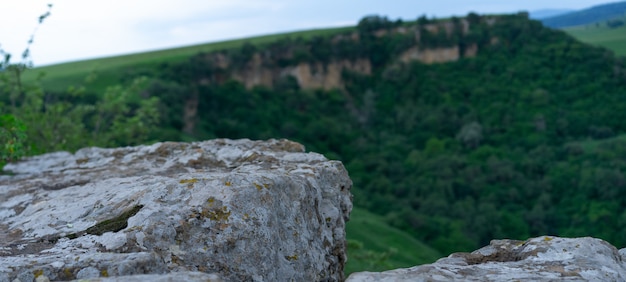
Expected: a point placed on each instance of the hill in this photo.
(548, 13)
(456, 131)
(612, 38)
(111, 70)
(374, 245)
(587, 16)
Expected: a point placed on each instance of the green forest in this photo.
(527, 138)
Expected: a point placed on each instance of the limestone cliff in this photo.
(321, 64)
(318, 75)
(261, 68)
(308, 75)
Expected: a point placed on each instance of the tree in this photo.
(614, 23)
(13, 141)
(373, 23)
(13, 136)
(37, 121)
(471, 134)
(422, 20)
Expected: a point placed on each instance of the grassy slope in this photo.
(613, 39)
(379, 237)
(109, 70)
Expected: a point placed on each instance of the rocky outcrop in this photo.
(261, 68)
(236, 210)
(325, 76)
(431, 56)
(255, 73)
(307, 75)
(543, 258)
(271, 67)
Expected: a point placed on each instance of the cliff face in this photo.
(322, 62)
(326, 76)
(431, 56)
(308, 75)
(261, 68)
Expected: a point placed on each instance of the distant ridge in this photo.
(587, 16)
(548, 13)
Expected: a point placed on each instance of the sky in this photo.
(79, 29)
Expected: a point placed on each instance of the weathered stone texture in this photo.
(242, 210)
(543, 258)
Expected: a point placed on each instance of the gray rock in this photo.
(544, 258)
(237, 210)
(186, 276)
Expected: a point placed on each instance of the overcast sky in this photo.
(81, 29)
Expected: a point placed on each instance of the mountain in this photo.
(455, 131)
(547, 13)
(587, 16)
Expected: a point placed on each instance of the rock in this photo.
(543, 258)
(237, 210)
(170, 277)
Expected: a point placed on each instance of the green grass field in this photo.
(377, 238)
(109, 70)
(612, 39)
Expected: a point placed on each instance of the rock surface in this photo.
(543, 258)
(236, 210)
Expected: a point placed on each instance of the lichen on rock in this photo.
(544, 258)
(230, 209)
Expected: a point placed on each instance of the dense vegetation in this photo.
(525, 139)
(520, 141)
(594, 14)
(34, 121)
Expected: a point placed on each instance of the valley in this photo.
(454, 131)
